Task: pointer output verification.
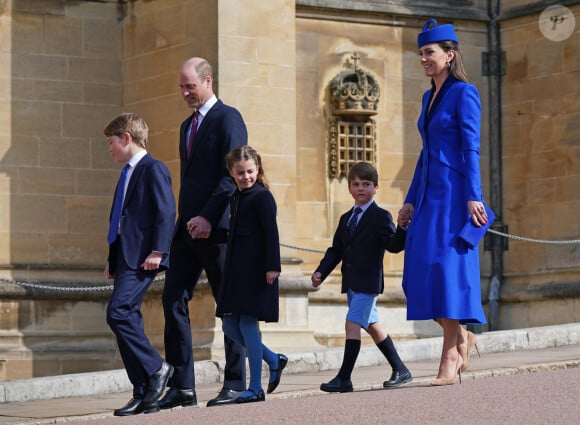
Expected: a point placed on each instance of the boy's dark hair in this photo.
(364, 171)
(129, 123)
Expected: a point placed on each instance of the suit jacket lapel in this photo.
(365, 217)
(362, 221)
(137, 172)
(438, 100)
(183, 138)
(199, 138)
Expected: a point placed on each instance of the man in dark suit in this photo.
(141, 225)
(361, 238)
(199, 242)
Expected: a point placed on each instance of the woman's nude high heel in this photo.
(470, 343)
(450, 381)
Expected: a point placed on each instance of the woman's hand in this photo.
(405, 215)
(477, 211)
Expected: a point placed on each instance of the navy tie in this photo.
(117, 206)
(353, 220)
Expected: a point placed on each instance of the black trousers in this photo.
(188, 258)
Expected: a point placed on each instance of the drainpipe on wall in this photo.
(493, 64)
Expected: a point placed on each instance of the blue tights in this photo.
(244, 330)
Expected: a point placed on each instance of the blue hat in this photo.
(436, 34)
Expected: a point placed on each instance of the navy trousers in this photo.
(126, 321)
(188, 258)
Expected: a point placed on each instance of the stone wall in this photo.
(67, 68)
(388, 51)
(62, 80)
(539, 144)
(541, 166)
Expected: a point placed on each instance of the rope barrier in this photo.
(106, 287)
(302, 249)
(523, 239)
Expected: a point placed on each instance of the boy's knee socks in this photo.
(351, 350)
(388, 349)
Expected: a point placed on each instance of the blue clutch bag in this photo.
(470, 234)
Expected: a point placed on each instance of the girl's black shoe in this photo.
(251, 396)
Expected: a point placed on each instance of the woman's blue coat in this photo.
(441, 275)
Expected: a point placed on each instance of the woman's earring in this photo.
(448, 64)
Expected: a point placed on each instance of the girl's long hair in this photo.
(245, 153)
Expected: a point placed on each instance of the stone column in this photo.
(257, 75)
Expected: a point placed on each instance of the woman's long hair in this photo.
(456, 68)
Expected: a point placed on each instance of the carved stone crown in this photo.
(354, 91)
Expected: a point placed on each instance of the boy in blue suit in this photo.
(141, 226)
(360, 240)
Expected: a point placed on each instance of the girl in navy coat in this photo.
(249, 292)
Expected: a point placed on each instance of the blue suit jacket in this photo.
(206, 185)
(454, 118)
(148, 215)
(362, 253)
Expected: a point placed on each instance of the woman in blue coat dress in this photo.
(441, 274)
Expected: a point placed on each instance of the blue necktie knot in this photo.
(353, 221)
(117, 206)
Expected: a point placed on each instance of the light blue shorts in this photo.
(362, 308)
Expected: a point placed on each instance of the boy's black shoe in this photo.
(337, 385)
(133, 407)
(398, 378)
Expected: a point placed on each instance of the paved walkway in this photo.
(508, 357)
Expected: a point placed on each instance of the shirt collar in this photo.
(136, 158)
(363, 207)
(204, 109)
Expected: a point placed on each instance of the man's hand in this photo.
(199, 227)
(316, 279)
(107, 274)
(272, 276)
